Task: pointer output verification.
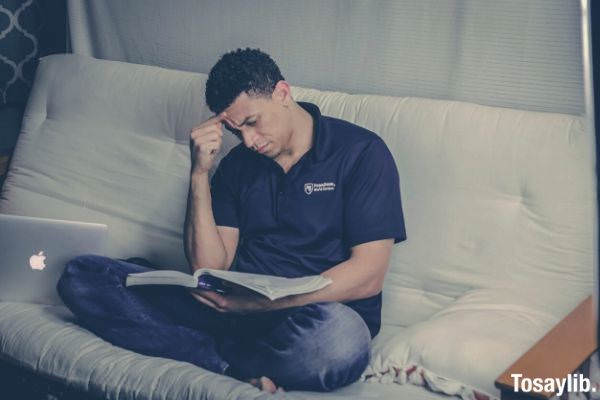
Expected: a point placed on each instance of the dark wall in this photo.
(29, 29)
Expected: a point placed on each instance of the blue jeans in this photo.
(320, 346)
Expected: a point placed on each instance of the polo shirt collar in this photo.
(320, 143)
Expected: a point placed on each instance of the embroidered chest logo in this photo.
(318, 187)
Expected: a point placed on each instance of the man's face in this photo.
(262, 123)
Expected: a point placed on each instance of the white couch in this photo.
(499, 205)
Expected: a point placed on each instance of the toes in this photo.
(267, 385)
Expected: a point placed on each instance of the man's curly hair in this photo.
(249, 70)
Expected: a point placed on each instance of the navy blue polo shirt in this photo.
(343, 192)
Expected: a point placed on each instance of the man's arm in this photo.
(205, 243)
(359, 277)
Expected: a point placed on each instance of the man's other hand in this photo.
(240, 300)
(205, 143)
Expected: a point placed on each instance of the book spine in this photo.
(204, 285)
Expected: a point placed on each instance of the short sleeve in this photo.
(372, 205)
(223, 194)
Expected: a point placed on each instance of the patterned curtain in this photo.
(29, 29)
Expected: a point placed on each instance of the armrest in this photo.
(557, 354)
(3, 164)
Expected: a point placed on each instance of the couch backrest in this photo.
(492, 197)
(108, 142)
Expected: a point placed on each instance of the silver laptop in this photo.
(34, 251)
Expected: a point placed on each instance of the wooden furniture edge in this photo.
(560, 352)
(4, 160)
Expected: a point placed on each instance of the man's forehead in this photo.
(243, 107)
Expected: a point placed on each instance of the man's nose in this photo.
(249, 137)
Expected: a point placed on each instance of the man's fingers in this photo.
(211, 121)
(212, 296)
(210, 148)
(209, 295)
(206, 301)
(205, 142)
(199, 132)
(208, 137)
(208, 145)
(229, 121)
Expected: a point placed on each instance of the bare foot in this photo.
(265, 384)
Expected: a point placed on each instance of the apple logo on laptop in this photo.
(36, 261)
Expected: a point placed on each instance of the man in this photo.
(303, 194)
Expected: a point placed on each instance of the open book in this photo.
(270, 286)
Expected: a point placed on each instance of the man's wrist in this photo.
(295, 300)
(197, 172)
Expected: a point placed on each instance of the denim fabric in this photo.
(320, 346)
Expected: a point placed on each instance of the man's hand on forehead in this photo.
(229, 123)
(205, 142)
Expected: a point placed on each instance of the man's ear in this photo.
(282, 93)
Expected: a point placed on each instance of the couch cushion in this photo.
(45, 339)
(492, 198)
(107, 142)
(467, 345)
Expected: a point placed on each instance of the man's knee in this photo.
(87, 273)
(335, 354)
(87, 266)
